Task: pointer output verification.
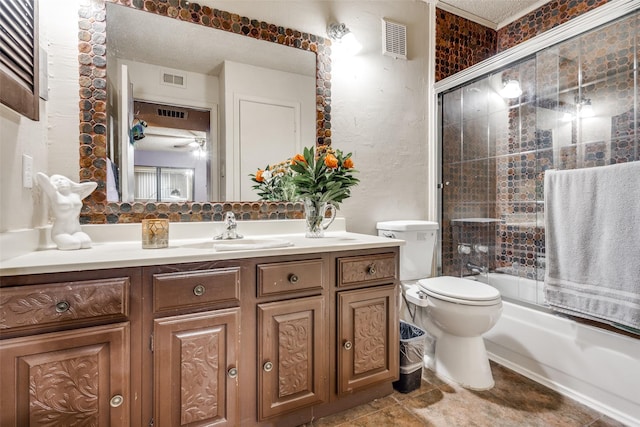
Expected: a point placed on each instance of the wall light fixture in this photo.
(586, 109)
(511, 89)
(345, 42)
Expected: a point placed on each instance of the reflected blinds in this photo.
(163, 184)
(19, 56)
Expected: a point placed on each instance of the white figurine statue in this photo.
(65, 197)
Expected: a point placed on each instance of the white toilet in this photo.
(454, 311)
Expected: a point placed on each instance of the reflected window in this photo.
(163, 184)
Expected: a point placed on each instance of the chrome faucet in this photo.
(478, 269)
(230, 228)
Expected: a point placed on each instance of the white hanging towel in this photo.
(592, 232)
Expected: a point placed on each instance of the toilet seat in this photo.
(459, 290)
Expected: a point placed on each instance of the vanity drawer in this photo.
(196, 289)
(65, 303)
(290, 277)
(366, 269)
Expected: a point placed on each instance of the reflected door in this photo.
(125, 118)
(269, 133)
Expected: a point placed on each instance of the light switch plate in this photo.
(27, 171)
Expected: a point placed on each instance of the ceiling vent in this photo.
(172, 113)
(394, 39)
(172, 78)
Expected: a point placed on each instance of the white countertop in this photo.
(119, 245)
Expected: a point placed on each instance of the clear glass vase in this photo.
(315, 213)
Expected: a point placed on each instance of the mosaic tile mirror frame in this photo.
(92, 47)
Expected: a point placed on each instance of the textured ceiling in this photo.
(492, 13)
(135, 35)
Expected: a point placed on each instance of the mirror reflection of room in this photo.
(173, 154)
(256, 98)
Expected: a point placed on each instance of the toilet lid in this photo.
(457, 289)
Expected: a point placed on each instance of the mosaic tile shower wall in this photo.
(92, 45)
(544, 18)
(460, 43)
(578, 109)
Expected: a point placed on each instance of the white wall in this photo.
(18, 136)
(201, 90)
(379, 106)
(52, 142)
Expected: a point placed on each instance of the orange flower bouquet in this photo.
(322, 180)
(325, 175)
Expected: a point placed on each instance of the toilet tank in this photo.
(416, 255)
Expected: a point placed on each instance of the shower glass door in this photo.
(576, 107)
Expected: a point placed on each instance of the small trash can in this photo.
(412, 340)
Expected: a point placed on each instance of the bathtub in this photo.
(596, 367)
(514, 287)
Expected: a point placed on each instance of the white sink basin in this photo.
(241, 244)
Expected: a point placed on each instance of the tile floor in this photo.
(515, 401)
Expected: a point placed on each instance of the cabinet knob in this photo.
(62, 307)
(371, 269)
(199, 290)
(267, 367)
(233, 372)
(293, 278)
(347, 345)
(116, 401)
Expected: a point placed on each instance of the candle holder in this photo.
(155, 233)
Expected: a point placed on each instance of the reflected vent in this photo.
(172, 113)
(173, 79)
(394, 39)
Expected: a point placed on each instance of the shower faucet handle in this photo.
(477, 269)
(482, 249)
(464, 249)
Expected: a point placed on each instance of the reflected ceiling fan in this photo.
(169, 139)
(192, 144)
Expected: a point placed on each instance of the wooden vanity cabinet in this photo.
(65, 352)
(367, 321)
(269, 341)
(311, 364)
(192, 316)
(292, 354)
(368, 337)
(76, 377)
(195, 361)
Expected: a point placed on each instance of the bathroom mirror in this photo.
(131, 36)
(198, 69)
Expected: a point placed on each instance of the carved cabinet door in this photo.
(368, 332)
(292, 355)
(196, 368)
(78, 377)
